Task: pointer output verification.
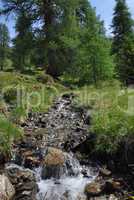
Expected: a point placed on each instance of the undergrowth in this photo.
(112, 113)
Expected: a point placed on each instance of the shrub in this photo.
(111, 121)
(44, 78)
(18, 115)
(10, 95)
(3, 107)
(8, 132)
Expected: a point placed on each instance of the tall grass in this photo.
(112, 109)
(8, 133)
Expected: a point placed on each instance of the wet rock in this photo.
(2, 159)
(31, 162)
(113, 197)
(105, 172)
(68, 96)
(53, 163)
(7, 190)
(112, 186)
(24, 182)
(54, 157)
(81, 197)
(88, 118)
(63, 119)
(104, 197)
(94, 189)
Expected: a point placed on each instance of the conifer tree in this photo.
(4, 45)
(123, 41)
(23, 42)
(94, 60)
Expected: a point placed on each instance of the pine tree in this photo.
(60, 29)
(123, 41)
(4, 45)
(23, 43)
(73, 39)
(94, 60)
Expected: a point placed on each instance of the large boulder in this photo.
(54, 157)
(7, 190)
(24, 182)
(53, 165)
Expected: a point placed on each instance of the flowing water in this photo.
(70, 186)
(64, 123)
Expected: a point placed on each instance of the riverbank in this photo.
(53, 149)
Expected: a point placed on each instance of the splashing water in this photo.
(68, 187)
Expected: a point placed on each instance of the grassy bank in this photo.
(32, 92)
(21, 93)
(112, 111)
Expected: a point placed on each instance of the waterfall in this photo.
(71, 184)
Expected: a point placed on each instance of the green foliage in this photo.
(18, 115)
(4, 45)
(112, 116)
(8, 133)
(123, 41)
(32, 94)
(97, 64)
(71, 41)
(23, 43)
(45, 78)
(93, 60)
(10, 95)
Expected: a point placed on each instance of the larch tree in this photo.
(123, 41)
(23, 42)
(4, 45)
(94, 61)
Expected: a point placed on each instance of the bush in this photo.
(18, 115)
(3, 107)
(111, 121)
(8, 132)
(45, 79)
(10, 95)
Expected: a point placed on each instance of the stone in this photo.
(7, 190)
(88, 117)
(67, 96)
(24, 182)
(93, 189)
(113, 197)
(53, 165)
(31, 162)
(105, 172)
(112, 186)
(2, 159)
(54, 157)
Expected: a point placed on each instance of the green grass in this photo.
(8, 133)
(112, 113)
(33, 94)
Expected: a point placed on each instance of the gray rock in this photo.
(7, 190)
(24, 182)
(53, 164)
(94, 189)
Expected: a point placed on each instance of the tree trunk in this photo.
(49, 17)
(2, 66)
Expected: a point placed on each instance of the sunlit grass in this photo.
(112, 108)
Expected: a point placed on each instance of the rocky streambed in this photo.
(50, 162)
